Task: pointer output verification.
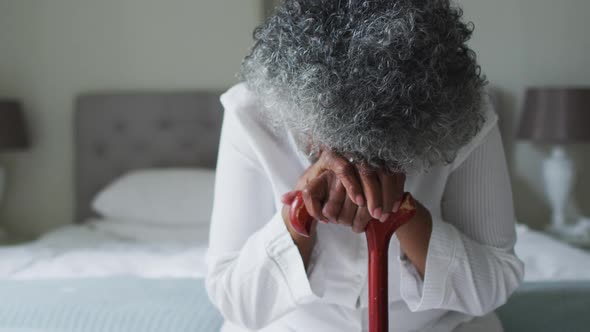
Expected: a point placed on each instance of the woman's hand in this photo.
(342, 168)
(381, 190)
(326, 200)
(316, 187)
(313, 184)
(336, 190)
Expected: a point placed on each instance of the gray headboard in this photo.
(119, 132)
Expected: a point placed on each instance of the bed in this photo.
(96, 276)
(87, 277)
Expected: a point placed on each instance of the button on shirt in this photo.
(256, 276)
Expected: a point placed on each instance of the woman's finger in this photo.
(400, 183)
(347, 174)
(288, 198)
(335, 200)
(361, 219)
(388, 190)
(372, 190)
(314, 195)
(348, 212)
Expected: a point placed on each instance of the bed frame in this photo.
(119, 132)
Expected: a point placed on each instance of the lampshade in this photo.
(13, 135)
(556, 115)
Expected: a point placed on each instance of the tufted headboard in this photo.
(119, 132)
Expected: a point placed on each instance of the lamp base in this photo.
(558, 171)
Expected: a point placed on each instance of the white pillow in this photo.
(159, 197)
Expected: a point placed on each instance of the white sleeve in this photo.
(255, 272)
(470, 265)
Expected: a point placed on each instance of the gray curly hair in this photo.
(390, 83)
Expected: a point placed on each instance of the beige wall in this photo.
(533, 42)
(53, 49)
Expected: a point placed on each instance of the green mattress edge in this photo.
(548, 306)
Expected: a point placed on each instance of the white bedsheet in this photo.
(78, 251)
(547, 259)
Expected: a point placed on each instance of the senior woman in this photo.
(355, 102)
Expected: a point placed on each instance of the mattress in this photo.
(548, 306)
(124, 304)
(78, 278)
(130, 304)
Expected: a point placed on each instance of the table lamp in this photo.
(13, 135)
(557, 116)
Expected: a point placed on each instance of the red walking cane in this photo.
(378, 236)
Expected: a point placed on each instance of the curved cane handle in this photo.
(378, 237)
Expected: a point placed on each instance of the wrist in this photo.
(422, 221)
(304, 244)
(414, 238)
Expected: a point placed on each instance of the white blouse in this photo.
(257, 279)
